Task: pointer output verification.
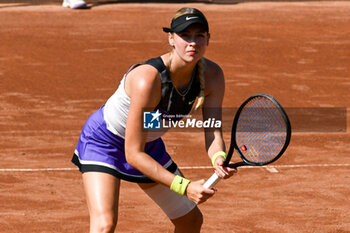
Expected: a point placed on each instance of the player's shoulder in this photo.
(212, 68)
(143, 78)
(144, 74)
(145, 71)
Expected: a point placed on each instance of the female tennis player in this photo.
(113, 145)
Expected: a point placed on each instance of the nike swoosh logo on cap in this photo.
(189, 18)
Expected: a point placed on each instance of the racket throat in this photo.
(239, 164)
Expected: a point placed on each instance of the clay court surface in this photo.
(57, 66)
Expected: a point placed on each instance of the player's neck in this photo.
(180, 71)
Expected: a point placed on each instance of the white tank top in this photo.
(116, 113)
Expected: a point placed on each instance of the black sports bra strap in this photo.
(156, 63)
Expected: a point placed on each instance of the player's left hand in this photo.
(223, 172)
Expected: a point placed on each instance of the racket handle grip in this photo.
(212, 181)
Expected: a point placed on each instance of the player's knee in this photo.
(105, 223)
(191, 222)
(197, 219)
(107, 227)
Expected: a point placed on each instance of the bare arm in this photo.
(215, 90)
(212, 108)
(144, 89)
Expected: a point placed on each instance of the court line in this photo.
(276, 166)
(183, 168)
(36, 169)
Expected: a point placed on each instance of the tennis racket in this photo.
(261, 132)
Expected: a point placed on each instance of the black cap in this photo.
(181, 23)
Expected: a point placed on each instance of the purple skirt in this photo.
(100, 150)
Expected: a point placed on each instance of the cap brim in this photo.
(183, 26)
(167, 30)
(181, 23)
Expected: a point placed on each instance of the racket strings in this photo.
(262, 129)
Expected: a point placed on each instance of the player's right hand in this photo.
(197, 193)
(223, 172)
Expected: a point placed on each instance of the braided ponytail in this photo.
(201, 97)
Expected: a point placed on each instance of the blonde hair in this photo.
(201, 62)
(201, 96)
(187, 10)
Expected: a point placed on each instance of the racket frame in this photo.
(234, 145)
(214, 179)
